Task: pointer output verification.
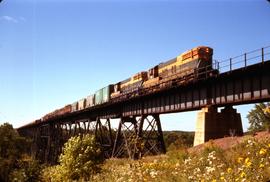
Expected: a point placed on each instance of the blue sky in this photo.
(56, 52)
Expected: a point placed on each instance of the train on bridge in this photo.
(193, 64)
(188, 82)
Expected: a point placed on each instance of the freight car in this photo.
(193, 64)
(103, 95)
(57, 112)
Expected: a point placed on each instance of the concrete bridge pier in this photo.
(212, 124)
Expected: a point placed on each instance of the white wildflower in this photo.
(209, 169)
(153, 174)
(187, 160)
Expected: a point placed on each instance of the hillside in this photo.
(230, 142)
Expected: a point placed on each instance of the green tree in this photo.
(79, 161)
(259, 119)
(14, 162)
(178, 139)
(11, 147)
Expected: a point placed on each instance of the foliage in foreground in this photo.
(15, 164)
(248, 161)
(28, 170)
(80, 160)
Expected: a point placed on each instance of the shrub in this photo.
(29, 171)
(80, 160)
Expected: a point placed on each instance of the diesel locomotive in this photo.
(193, 64)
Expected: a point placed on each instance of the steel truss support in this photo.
(42, 143)
(151, 136)
(125, 141)
(49, 139)
(104, 136)
(139, 136)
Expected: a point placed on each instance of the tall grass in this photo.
(247, 161)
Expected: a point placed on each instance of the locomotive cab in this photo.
(197, 61)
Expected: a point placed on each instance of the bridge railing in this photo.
(243, 60)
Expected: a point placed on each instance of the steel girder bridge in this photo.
(241, 80)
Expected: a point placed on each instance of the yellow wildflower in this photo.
(222, 178)
(229, 170)
(240, 159)
(243, 175)
(266, 110)
(262, 151)
(261, 165)
(247, 162)
(214, 180)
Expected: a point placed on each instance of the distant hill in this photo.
(178, 139)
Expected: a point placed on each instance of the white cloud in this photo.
(9, 19)
(22, 18)
(12, 19)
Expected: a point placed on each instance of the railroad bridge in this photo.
(240, 80)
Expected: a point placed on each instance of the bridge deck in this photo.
(250, 84)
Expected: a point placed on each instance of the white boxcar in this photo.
(90, 101)
(74, 106)
(81, 104)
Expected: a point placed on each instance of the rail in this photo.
(243, 60)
